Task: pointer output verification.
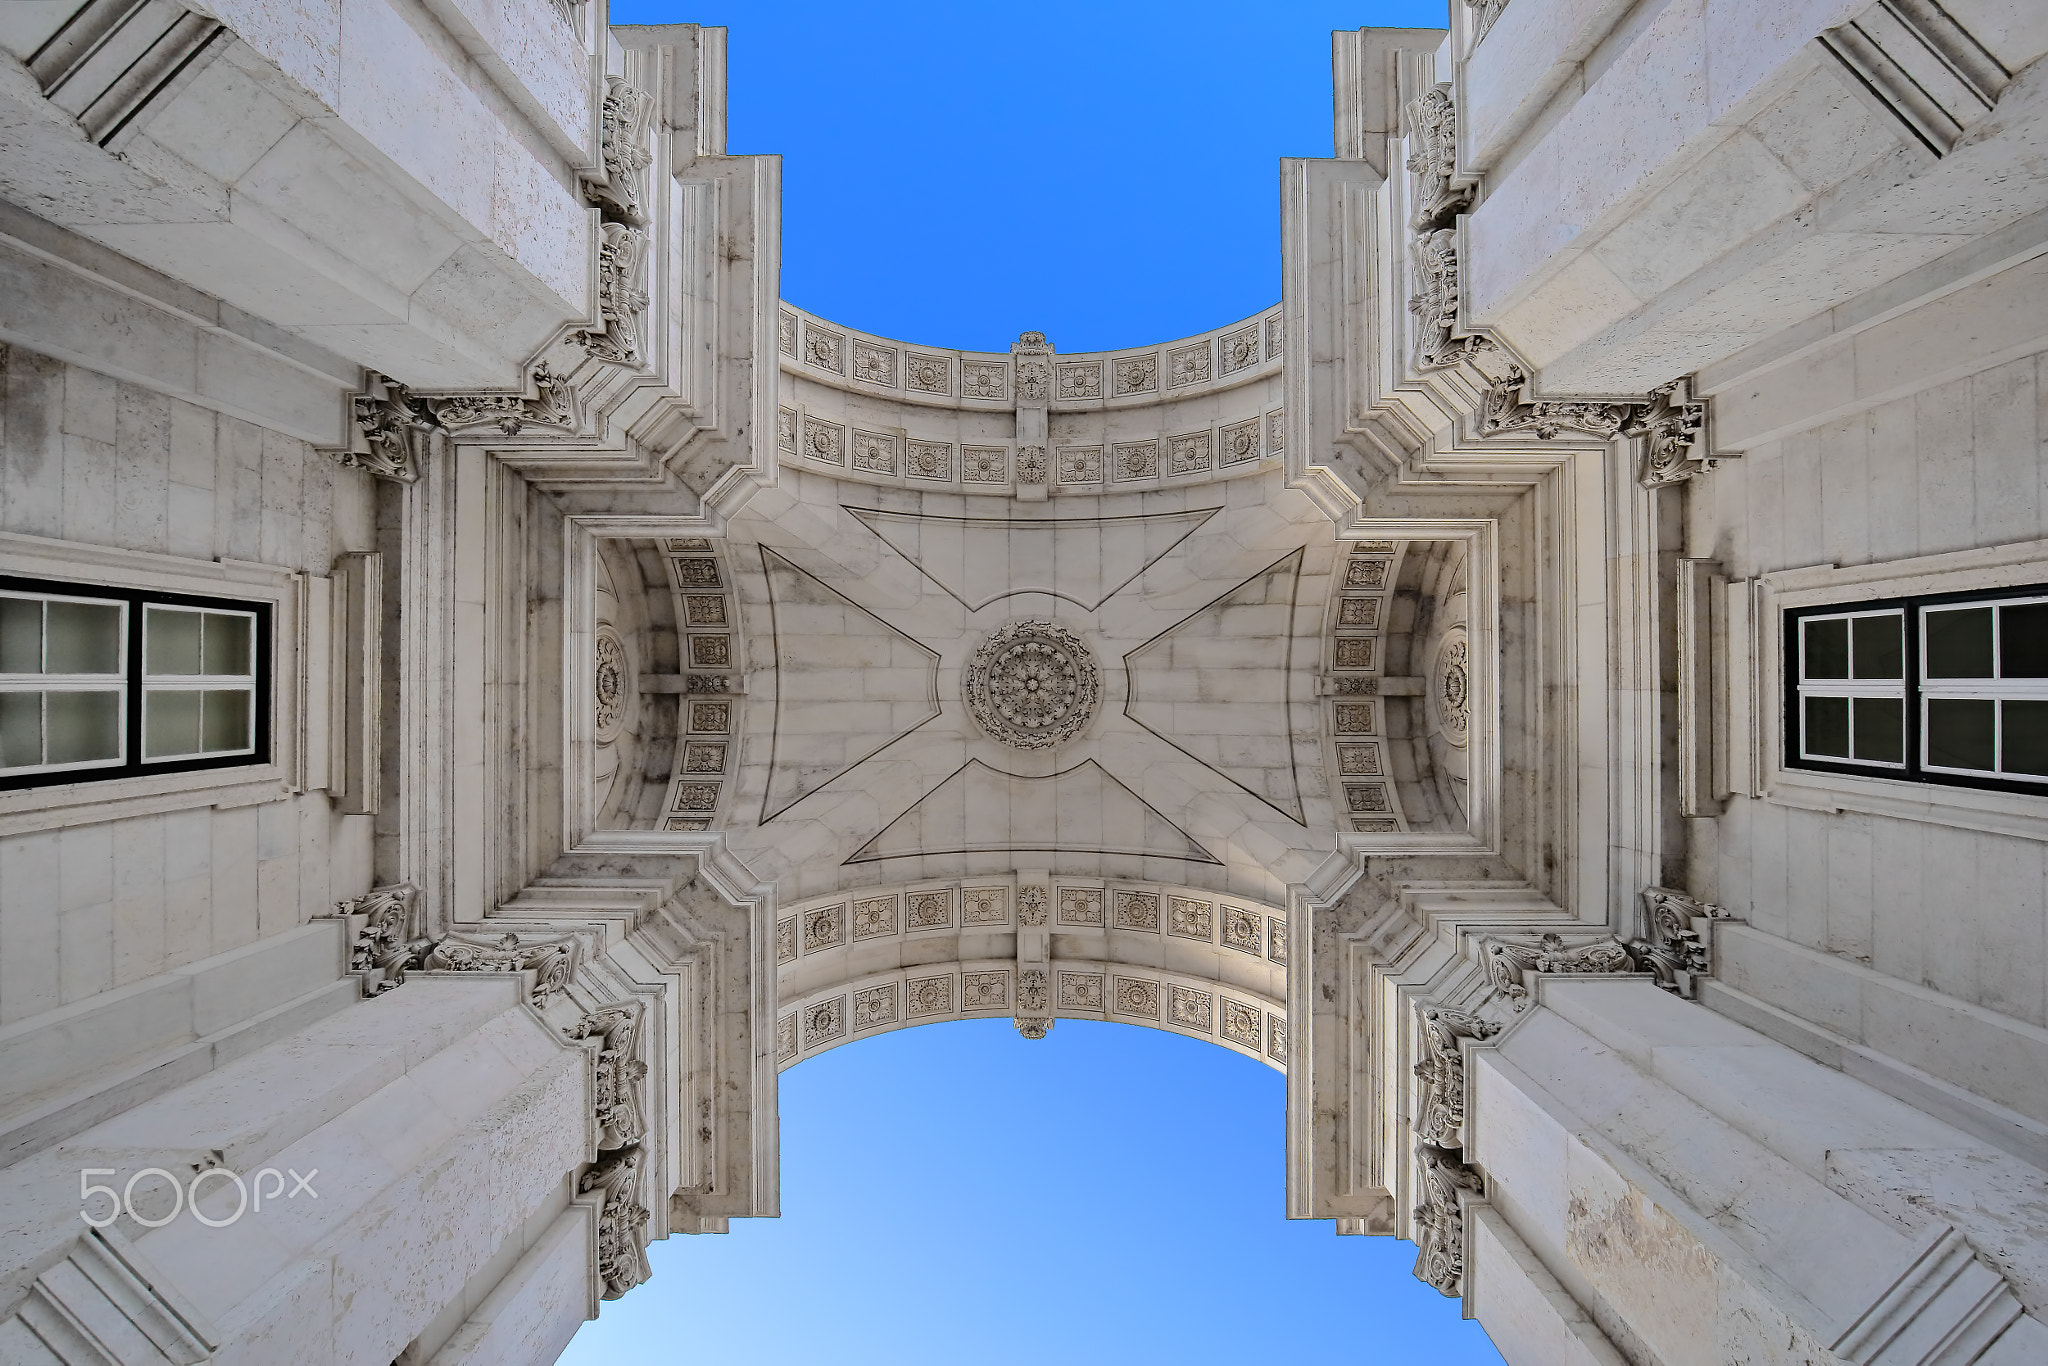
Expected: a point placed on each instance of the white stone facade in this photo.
(1407, 686)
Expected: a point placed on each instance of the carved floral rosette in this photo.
(1032, 684)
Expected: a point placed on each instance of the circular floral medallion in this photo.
(1032, 684)
(610, 683)
(1451, 688)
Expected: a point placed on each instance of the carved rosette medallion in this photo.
(608, 683)
(1450, 687)
(1032, 685)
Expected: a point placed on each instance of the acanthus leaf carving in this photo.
(619, 1074)
(1673, 948)
(1510, 961)
(1507, 410)
(1441, 1120)
(1439, 1221)
(384, 943)
(627, 116)
(553, 405)
(621, 1222)
(1484, 12)
(621, 296)
(1433, 244)
(1433, 159)
(552, 963)
(1671, 426)
(394, 427)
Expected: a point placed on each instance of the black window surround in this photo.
(129, 682)
(1945, 689)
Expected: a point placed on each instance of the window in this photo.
(114, 683)
(1950, 689)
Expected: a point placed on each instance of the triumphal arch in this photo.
(485, 683)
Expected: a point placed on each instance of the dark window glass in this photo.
(2023, 737)
(21, 636)
(83, 727)
(1959, 642)
(2023, 642)
(170, 641)
(1827, 649)
(82, 638)
(1881, 730)
(1827, 726)
(1880, 646)
(21, 729)
(1959, 732)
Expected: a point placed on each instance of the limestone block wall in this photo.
(1908, 443)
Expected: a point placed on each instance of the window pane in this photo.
(84, 638)
(1959, 732)
(1959, 643)
(1827, 649)
(2024, 738)
(2023, 641)
(227, 644)
(226, 720)
(84, 726)
(21, 637)
(21, 729)
(1827, 726)
(1881, 730)
(170, 724)
(1880, 646)
(170, 642)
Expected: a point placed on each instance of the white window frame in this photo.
(1752, 676)
(147, 683)
(1851, 688)
(43, 683)
(1979, 689)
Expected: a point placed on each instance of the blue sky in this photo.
(954, 175)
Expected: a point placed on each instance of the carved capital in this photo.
(386, 923)
(553, 405)
(1671, 425)
(1441, 1120)
(1508, 410)
(1510, 961)
(621, 1222)
(551, 963)
(1439, 1222)
(393, 427)
(1484, 12)
(1433, 160)
(1673, 947)
(620, 1075)
(621, 296)
(623, 150)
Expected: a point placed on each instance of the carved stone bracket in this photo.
(1674, 947)
(1439, 1222)
(385, 923)
(620, 1075)
(393, 427)
(1441, 1120)
(1510, 961)
(628, 115)
(621, 296)
(552, 405)
(1671, 425)
(1034, 1003)
(1508, 411)
(1484, 12)
(621, 1223)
